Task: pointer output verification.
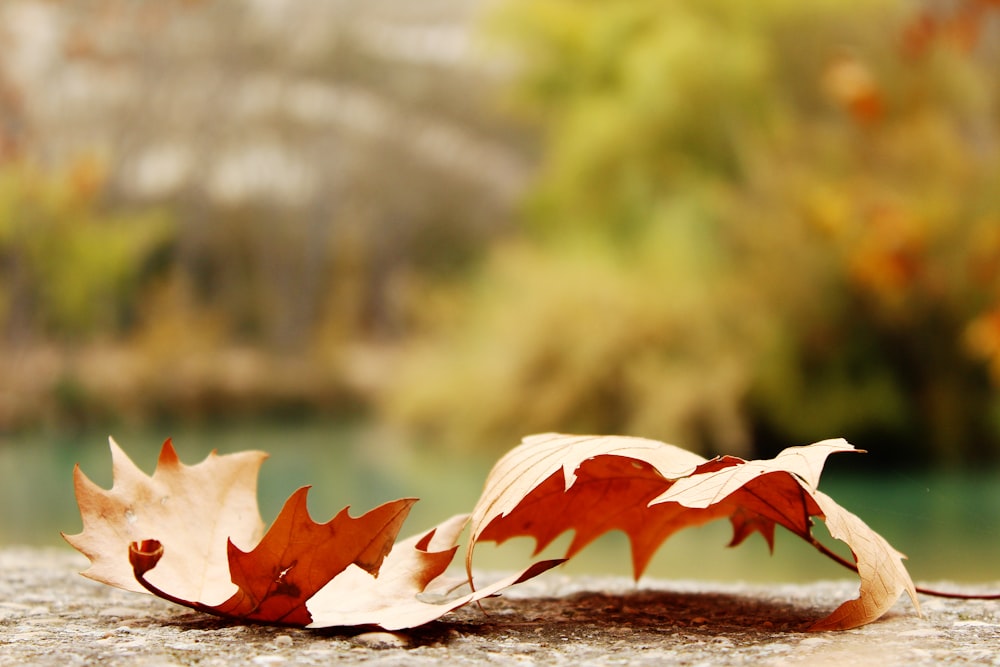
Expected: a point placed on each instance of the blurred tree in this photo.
(69, 269)
(306, 150)
(319, 162)
(751, 219)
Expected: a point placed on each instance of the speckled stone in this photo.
(49, 615)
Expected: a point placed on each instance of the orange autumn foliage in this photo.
(192, 534)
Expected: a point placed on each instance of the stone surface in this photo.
(52, 616)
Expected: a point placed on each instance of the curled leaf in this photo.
(650, 490)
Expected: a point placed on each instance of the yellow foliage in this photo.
(748, 215)
(70, 266)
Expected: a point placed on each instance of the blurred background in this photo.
(384, 240)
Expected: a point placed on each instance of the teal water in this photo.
(947, 523)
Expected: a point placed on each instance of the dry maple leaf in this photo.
(192, 510)
(649, 490)
(295, 559)
(191, 535)
(298, 556)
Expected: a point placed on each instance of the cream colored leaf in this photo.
(411, 589)
(191, 510)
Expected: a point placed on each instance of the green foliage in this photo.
(69, 269)
(586, 350)
(749, 218)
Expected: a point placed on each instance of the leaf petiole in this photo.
(826, 551)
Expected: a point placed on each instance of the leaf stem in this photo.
(823, 549)
(190, 604)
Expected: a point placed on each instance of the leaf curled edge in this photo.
(880, 567)
(883, 576)
(412, 589)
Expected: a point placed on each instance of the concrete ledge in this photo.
(52, 616)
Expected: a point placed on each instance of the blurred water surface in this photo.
(948, 523)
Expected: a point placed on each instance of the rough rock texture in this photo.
(51, 616)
